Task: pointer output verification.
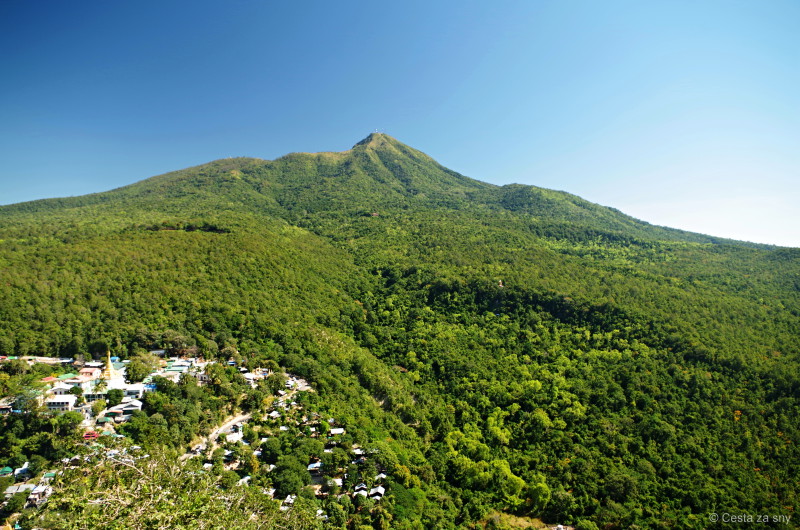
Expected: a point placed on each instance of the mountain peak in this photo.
(376, 139)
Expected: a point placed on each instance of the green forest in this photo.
(505, 349)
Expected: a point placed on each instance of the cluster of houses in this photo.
(95, 379)
(36, 493)
(376, 493)
(285, 413)
(310, 425)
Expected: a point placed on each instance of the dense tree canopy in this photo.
(508, 348)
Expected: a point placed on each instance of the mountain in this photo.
(378, 172)
(508, 348)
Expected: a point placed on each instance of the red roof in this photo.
(49, 379)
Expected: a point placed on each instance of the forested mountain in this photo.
(512, 348)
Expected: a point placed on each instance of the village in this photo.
(105, 401)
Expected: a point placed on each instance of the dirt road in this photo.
(212, 438)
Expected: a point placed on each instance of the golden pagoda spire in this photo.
(109, 372)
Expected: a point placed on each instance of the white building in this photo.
(61, 403)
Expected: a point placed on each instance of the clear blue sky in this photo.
(685, 114)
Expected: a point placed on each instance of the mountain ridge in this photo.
(396, 171)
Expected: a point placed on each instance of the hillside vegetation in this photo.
(509, 348)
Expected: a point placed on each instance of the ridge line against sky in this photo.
(681, 114)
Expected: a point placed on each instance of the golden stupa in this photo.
(109, 372)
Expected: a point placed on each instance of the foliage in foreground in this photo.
(156, 491)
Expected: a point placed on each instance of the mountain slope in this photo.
(520, 348)
(379, 172)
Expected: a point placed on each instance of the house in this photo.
(377, 492)
(21, 488)
(288, 502)
(22, 470)
(337, 430)
(124, 409)
(6, 471)
(132, 405)
(316, 467)
(39, 494)
(134, 390)
(61, 389)
(90, 373)
(177, 369)
(61, 403)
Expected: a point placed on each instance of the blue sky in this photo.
(684, 114)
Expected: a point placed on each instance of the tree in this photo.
(140, 367)
(289, 475)
(68, 422)
(114, 397)
(16, 503)
(276, 381)
(179, 497)
(271, 450)
(37, 464)
(78, 392)
(15, 367)
(98, 406)
(337, 517)
(253, 400)
(100, 385)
